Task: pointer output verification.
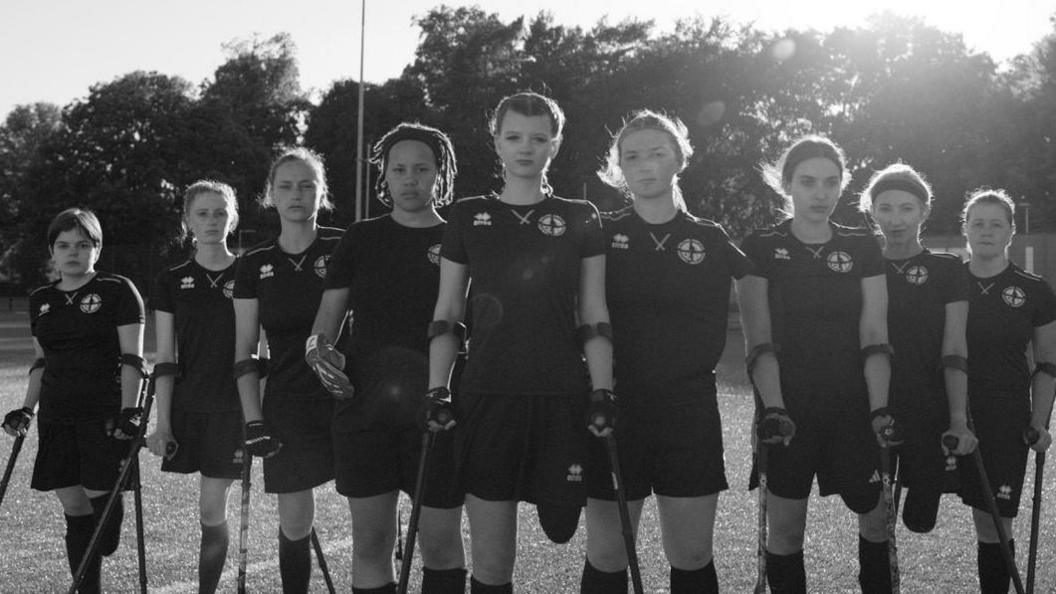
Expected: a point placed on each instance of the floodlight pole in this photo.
(359, 115)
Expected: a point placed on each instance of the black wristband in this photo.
(1045, 367)
(38, 363)
(165, 369)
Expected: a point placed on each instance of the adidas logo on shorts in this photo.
(1004, 492)
(875, 478)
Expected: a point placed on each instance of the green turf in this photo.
(33, 558)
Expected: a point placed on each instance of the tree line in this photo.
(893, 89)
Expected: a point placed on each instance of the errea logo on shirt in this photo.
(267, 271)
(781, 254)
(187, 282)
(621, 242)
(44, 308)
(482, 219)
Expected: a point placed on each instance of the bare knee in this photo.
(296, 514)
(441, 538)
(212, 500)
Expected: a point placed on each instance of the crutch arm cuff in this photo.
(245, 366)
(166, 368)
(758, 351)
(1045, 367)
(958, 362)
(135, 362)
(38, 363)
(878, 349)
(586, 332)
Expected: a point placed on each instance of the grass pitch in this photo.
(33, 557)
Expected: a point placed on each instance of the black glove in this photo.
(887, 431)
(776, 426)
(125, 424)
(259, 440)
(602, 410)
(16, 422)
(437, 412)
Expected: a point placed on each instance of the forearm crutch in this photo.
(111, 502)
(321, 559)
(951, 442)
(243, 520)
(1030, 436)
(15, 449)
(763, 492)
(625, 514)
(428, 440)
(890, 518)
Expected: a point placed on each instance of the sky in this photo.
(55, 50)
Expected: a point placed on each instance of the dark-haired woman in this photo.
(199, 421)
(88, 339)
(277, 287)
(1010, 310)
(385, 272)
(815, 314)
(536, 263)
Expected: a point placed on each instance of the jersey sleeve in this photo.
(245, 279)
(1046, 310)
(871, 257)
(753, 249)
(339, 270)
(161, 298)
(129, 305)
(593, 243)
(453, 246)
(956, 286)
(738, 262)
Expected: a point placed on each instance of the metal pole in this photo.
(359, 114)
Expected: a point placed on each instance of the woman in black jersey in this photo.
(668, 277)
(1009, 310)
(536, 261)
(277, 288)
(199, 422)
(385, 272)
(815, 314)
(88, 340)
(927, 314)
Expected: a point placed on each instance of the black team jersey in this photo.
(200, 302)
(82, 353)
(815, 293)
(524, 264)
(393, 273)
(288, 288)
(918, 291)
(1003, 312)
(668, 291)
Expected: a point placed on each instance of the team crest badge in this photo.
(1014, 296)
(917, 275)
(267, 271)
(781, 254)
(621, 242)
(433, 253)
(691, 251)
(552, 225)
(320, 266)
(187, 282)
(840, 262)
(91, 303)
(229, 289)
